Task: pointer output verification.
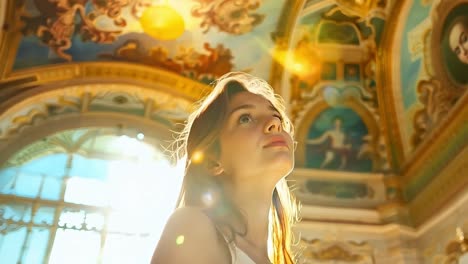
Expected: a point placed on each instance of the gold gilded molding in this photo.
(441, 190)
(433, 153)
(341, 251)
(10, 38)
(437, 141)
(102, 71)
(36, 105)
(438, 92)
(282, 38)
(48, 126)
(384, 78)
(438, 100)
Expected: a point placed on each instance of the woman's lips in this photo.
(277, 142)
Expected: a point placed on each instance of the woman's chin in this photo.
(282, 167)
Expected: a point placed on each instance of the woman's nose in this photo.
(273, 124)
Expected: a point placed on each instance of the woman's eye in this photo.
(245, 118)
(279, 117)
(464, 38)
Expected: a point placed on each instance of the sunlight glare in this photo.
(141, 192)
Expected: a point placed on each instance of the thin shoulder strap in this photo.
(222, 238)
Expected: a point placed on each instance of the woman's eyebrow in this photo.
(251, 106)
(272, 108)
(241, 107)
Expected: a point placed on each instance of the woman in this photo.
(235, 205)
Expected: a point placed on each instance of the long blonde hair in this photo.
(201, 137)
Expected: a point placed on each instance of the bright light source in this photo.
(197, 157)
(162, 22)
(142, 194)
(134, 148)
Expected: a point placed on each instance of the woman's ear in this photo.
(216, 168)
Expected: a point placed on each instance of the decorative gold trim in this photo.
(436, 141)
(439, 89)
(51, 101)
(452, 180)
(385, 84)
(31, 134)
(302, 129)
(282, 39)
(123, 72)
(10, 39)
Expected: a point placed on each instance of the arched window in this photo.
(85, 196)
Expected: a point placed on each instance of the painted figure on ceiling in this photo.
(455, 45)
(458, 38)
(56, 22)
(338, 145)
(337, 139)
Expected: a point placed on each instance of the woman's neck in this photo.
(254, 203)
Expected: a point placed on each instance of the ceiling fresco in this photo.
(333, 89)
(214, 36)
(425, 102)
(362, 88)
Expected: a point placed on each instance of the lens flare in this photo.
(207, 199)
(197, 157)
(180, 240)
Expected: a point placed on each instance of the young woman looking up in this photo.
(235, 205)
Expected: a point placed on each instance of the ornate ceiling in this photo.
(375, 89)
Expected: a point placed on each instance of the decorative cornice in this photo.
(435, 153)
(55, 100)
(117, 72)
(438, 193)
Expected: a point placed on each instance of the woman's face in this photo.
(458, 41)
(253, 141)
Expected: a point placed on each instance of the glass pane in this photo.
(52, 165)
(51, 188)
(27, 185)
(75, 247)
(94, 220)
(86, 191)
(72, 218)
(44, 215)
(16, 212)
(141, 191)
(11, 241)
(37, 246)
(89, 168)
(7, 180)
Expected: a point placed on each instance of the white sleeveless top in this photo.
(242, 258)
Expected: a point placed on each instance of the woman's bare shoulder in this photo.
(189, 237)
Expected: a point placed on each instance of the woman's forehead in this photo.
(248, 98)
